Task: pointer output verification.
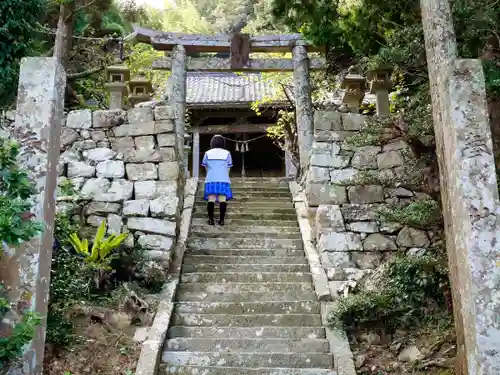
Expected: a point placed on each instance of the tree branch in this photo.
(82, 7)
(287, 94)
(85, 73)
(49, 53)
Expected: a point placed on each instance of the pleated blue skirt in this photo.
(218, 188)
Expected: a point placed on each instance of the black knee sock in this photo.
(210, 209)
(223, 207)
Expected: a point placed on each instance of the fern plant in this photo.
(99, 257)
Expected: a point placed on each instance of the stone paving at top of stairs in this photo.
(245, 304)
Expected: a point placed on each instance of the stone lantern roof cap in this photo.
(141, 80)
(371, 74)
(353, 76)
(119, 67)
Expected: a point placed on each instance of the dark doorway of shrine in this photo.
(262, 159)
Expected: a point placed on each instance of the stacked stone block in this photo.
(125, 163)
(351, 236)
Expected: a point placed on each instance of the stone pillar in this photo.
(303, 103)
(178, 97)
(196, 152)
(469, 191)
(25, 271)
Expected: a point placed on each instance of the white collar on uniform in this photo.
(217, 154)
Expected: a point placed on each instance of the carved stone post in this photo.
(118, 74)
(354, 85)
(196, 152)
(303, 103)
(177, 97)
(469, 191)
(25, 271)
(290, 169)
(380, 84)
(187, 148)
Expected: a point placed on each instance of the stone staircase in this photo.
(245, 303)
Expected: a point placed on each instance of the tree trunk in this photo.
(64, 34)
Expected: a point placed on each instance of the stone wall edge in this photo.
(150, 355)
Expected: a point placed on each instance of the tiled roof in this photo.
(209, 89)
(212, 89)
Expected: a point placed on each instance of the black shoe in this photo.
(222, 207)
(210, 209)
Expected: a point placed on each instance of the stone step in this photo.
(196, 370)
(243, 243)
(246, 320)
(187, 268)
(247, 345)
(272, 181)
(249, 216)
(215, 259)
(234, 233)
(245, 277)
(255, 187)
(248, 252)
(252, 360)
(293, 307)
(253, 184)
(252, 191)
(238, 297)
(234, 222)
(255, 195)
(229, 288)
(248, 208)
(248, 332)
(277, 201)
(249, 230)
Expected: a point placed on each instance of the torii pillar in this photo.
(303, 103)
(177, 99)
(469, 192)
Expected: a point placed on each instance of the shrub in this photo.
(23, 332)
(375, 133)
(420, 214)
(413, 287)
(16, 226)
(69, 281)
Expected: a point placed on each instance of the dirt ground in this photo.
(429, 351)
(105, 346)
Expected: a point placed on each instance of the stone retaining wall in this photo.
(345, 187)
(125, 167)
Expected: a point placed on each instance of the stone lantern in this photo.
(380, 85)
(354, 84)
(140, 88)
(118, 74)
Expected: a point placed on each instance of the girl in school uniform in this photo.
(217, 162)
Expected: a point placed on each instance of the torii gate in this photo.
(239, 46)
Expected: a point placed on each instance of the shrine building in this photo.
(221, 103)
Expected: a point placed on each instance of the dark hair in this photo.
(217, 142)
